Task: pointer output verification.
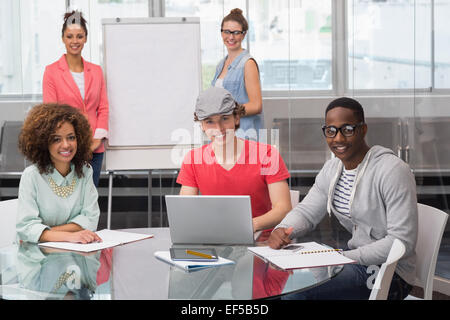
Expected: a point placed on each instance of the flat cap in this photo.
(212, 101)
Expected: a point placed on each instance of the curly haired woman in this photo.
(57, 197)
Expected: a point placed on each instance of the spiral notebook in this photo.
(308, 255)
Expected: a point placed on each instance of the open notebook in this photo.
(310, 255)
(111, 238)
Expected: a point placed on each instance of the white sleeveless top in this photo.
(219, 83)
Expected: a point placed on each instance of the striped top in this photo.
(343, 191)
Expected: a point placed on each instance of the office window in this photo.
(10, 81)
(211, 13)
(442, 43)
(96, 10)
(292, 42)
(389, 44)
(30, 38)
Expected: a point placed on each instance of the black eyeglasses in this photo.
(347, 130)
(235, 33)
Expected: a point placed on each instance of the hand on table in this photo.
(280, 237)
(84, 236)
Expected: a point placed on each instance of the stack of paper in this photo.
(110, 238)
(191, 265)
(310, 255)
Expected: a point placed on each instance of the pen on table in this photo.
(320, 251)
(200, 254)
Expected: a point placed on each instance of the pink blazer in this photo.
(58, 86)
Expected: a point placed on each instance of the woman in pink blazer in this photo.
(74, 81)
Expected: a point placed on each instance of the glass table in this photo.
(131, 271)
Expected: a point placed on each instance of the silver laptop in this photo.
(210, 219)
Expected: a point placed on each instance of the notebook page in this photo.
(267, 251)
(110, 238)
(288, 259)
(121, 236)
(86, 247)
(298, 261)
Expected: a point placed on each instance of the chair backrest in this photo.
(12, 160)
(8, 214)
(432, 223)
(383, 280)
(295, 197)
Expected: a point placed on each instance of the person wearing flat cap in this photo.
(232, 166)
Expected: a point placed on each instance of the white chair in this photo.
(8, 214)
(432, 223)
(8, 251)
(295, 197)
(383, 280)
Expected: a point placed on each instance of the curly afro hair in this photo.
(41, 123)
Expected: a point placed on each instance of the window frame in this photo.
(422, 91)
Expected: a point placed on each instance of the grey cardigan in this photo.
(383, 207)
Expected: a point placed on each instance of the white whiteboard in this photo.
(153, 76)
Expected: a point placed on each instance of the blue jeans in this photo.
(96, 163)
(351, 284)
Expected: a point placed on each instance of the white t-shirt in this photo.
(78, 77)
(219, 83)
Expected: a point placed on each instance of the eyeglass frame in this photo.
(234, 33)
(354, 126)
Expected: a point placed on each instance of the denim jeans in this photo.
(96, 163)
(351, 284)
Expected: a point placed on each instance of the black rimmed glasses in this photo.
(347, 130)
(234, 33)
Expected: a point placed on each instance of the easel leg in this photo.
(110, 185)
(149, 213)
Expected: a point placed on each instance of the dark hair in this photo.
(236, 15)
(40, 125)
(74, 17)
(347, 103)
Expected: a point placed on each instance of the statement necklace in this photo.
(62, 191)
(66, 276)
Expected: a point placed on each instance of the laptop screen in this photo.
(210, 219)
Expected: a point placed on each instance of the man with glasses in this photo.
(372, 193)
